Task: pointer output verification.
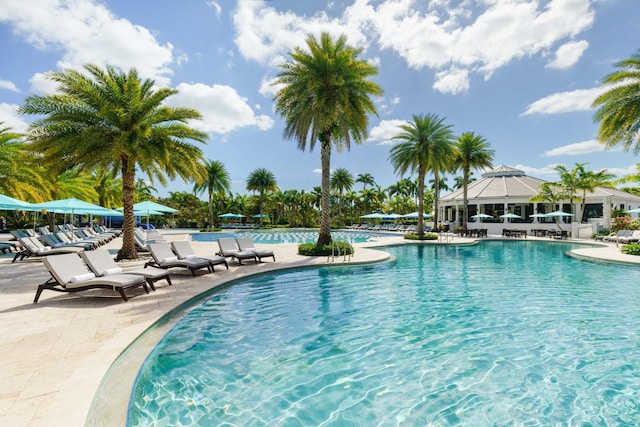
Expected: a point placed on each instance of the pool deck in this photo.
(54, 354)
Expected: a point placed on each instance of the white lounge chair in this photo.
(69, 274)
(31, 246)
(229, 249)
(163, 257)
(246, 244)
(102, 264)
(183, 249)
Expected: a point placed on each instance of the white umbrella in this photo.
(509, 216)
(481, 216)
(557, 214)
(415, 215)
(373, 216)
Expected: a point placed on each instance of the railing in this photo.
(337, 252)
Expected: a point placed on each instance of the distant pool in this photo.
(287, 236)
(499, 333)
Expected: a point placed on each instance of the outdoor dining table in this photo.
(508, 232)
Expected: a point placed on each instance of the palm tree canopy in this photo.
(216, 179)
(341, 180)
(19, 176)
(473, 152)
(262, 180)
(366, 179)
(618, 109)
(326, 91)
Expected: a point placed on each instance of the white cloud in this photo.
(318, 171)
(620, 172)
(216, 6)
(547, 172)
(8, 85)
(86, 32)
(10, 118)
(568, 55)
(222, 109)
(564, 102)
(267, 88)
(468, 37)
(396, 100)
(385, 131)
(578, 148)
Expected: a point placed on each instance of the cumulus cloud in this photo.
(7, 85)
(385, 131)
(565, 102)
(568, 55)
(267, 88)
(10, 119)
(87, 32)
(544, 172)
(222, 108)
(465, 38)
(578, 148)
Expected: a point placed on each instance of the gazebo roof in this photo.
(507, 182)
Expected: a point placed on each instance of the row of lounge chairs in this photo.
(100, 271)
(622, 236)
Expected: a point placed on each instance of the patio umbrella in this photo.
(149, 206)
(556, 214)
(72, 206)
(10, 204)
(373, 216)
(415, 215)
(509, 216)
(393, 216)
(231, 215)
(481, 216)
(260, 216)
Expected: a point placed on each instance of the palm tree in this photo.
(143, 190)
(326, 96)
(113, 120)
(262, 181)
(426, 146)
(108, 187)
(20, 176)
(550, 192)
(341, 180)
(472, 153)
(216, 181)
(618, 109)
(365, 179)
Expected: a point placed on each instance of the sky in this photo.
(520, 73)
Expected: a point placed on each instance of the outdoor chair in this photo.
(30, 246)
(229, 249)
(102, 264)
(163, 257)
(183, 250)
(69, 274)
(245, 244)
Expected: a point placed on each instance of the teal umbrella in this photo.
(10, 204)
(72, 205)
(231, 215)
(148, 206)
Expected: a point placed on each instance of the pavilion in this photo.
(508, 190)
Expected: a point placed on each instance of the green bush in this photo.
(426, 236)
(631, 249)
(310, 249)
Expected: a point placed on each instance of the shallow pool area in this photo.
(499, 333)
(287, 236)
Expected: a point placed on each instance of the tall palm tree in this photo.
(114, 120)
(426, 145)
(588, 181)
(216, 181)
(261, 180)
(341, 180)
(618, 109)
(20, 175)
(326, 96)
(550, 192)
(472, 153)
(365, 179)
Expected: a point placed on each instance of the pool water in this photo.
(500, 333)
(287, 236)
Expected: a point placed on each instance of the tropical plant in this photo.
(143, 190)
(550, 192)
(326, 96)
(618, 109)
(215, 181)
(426, 145)
(365, 179)
(341, 180)
(114, 120)
(19, 175)
(261, 180)
(472, 153)
(108, 187)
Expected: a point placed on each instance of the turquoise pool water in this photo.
(501, 333)
(287, 236)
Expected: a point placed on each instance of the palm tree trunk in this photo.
(210, 209)
(465, 200)
(324, 238)
(420, 228)
(436, 191)
(128, 250)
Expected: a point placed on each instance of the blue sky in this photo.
(520, 73)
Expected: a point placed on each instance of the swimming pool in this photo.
(287, 236)
(500, 333)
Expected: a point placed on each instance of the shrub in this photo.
(426, 236)
(631, 249)
(310, 249)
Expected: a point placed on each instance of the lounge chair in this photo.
(69, 274)
(163, 257)
(102, 264)
(31, 246)
(246, 244)
(183, 249)
(229, 249)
